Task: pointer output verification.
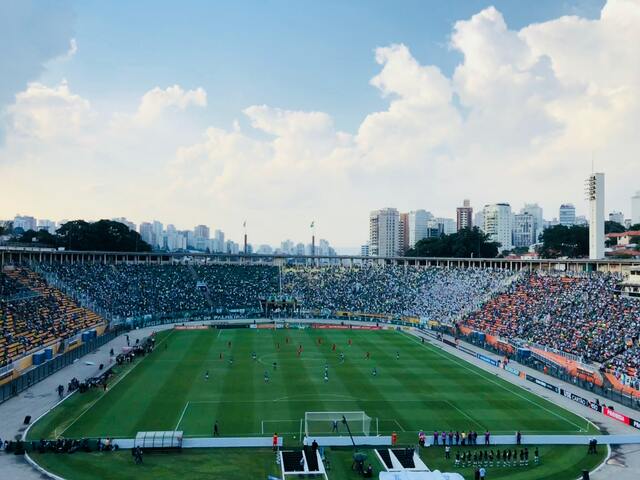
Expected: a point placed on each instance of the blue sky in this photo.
(299, 55)
(283, 112)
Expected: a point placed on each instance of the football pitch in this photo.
(416, 387)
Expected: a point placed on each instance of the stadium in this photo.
(233, 367)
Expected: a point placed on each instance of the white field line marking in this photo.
(455, 360)
(184, 410)
(111, 387)
(465, 414)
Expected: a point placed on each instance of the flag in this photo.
(312, 223)
(244, 224)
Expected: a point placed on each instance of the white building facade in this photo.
(384, 232)
(498, 224)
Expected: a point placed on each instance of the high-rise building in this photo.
(47, 225)
(201, 231)
(535, 211)
(404, 233)
(617, 217)
(157, 234)
(464, 215)
(497, 224)
(146, 233)
(524, 230)
(478, 220)
(25, 223)
(635, 208)
(595, 195)
(567, 214)
(446, 225)
(219, 240)
(417, 226)
(123, 220)
(364, 250)
(384, 232)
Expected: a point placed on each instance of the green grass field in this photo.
(425, 388)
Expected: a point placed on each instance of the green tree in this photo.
(563, 241)
(104, 235)
(42, 237)
(462, 244)
(613, 227)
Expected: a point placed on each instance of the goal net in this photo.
(331, 423)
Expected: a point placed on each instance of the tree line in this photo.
(103, 236)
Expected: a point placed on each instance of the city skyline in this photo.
(492, 103)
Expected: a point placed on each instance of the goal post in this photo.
(330, 423)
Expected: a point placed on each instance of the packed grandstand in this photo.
(579, 314)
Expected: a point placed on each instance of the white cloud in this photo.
(157, 100)
(518, 120)
(46, 113)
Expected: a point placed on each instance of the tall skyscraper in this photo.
(146, 233)
(595, 195)
(535, 211)
(498, 224)
(384, 232)
(524, 233)
(403, 233)
(567, 214)
(157, 234)
(617, 217)
(635, 208)
(464, 215)
(26, 223)
(417, 228)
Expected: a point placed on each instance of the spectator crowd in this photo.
(574, 313)
(580, 314)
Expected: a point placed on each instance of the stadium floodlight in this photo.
(326, 423)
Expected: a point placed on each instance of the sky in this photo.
(278, 113)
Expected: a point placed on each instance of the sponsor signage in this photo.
(616, 415)
(192, 327)
(449, 342)
(635, 423)
(542, 383)
(581, 400)
(512, 370)
(489, 360)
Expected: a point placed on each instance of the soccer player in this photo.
(341, 357)
(349, 342)
(457, 462)
(334, 426)
(230, 361)
(447, 452)
(333, 347)
(206, 375)
(221, 356)
(397, 355)
(274, 441)
(275, 365)
(229, 344)
(536, 456)
(367, 355)
(526, 456)
(374, 372)
(216, 430)
(253, 356)
(326, 376)
(498, 458)
(266, 377)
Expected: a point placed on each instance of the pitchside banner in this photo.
(581, 400)
(489, 360)
(542, 383)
